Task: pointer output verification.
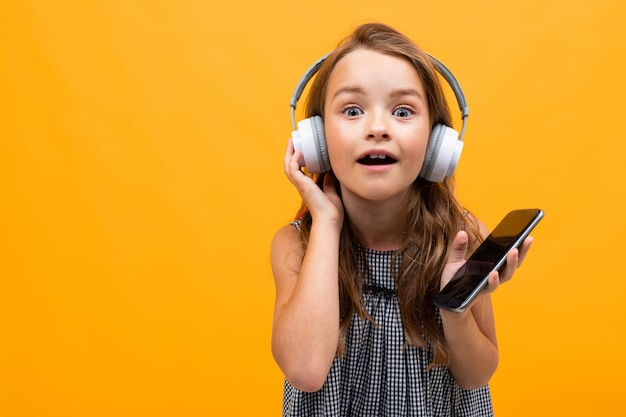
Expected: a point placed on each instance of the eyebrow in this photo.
(395, 93)
(348, 90)
(406, 92)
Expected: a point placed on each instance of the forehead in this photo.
(372, 69)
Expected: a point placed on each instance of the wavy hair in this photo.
(433, 215)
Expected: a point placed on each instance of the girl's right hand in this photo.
(324, 205)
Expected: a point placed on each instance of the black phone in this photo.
(490, 256)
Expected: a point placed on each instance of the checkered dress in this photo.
(378, 376)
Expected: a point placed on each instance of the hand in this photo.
(323, 204)
(456, 259)
(514, 260)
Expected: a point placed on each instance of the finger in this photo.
(456, 258)
(288, 154)
(493, 282)
(523, 250)
(295, 160)
(330, 182)
(459, 247)
(292, 160)
(512, 263)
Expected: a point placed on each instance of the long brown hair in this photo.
(433, 214)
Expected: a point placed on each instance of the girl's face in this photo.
(376, 124)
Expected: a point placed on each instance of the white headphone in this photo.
(444, 144)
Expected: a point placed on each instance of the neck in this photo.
(377, 222)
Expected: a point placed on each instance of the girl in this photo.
(355, 329)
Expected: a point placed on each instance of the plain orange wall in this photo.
(141, 182)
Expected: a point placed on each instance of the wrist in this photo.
(454, 318)
(327, 225)
(325, 231)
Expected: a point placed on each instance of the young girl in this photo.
(355, 330)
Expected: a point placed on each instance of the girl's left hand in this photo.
(514, 259)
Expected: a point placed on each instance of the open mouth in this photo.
(375, 159)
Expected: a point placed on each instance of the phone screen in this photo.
(489, 256)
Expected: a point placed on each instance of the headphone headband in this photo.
(439, 66)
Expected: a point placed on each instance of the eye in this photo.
(352, 111)
(402, 112)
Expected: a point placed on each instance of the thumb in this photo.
(459, 247)
(456, 257)
(330, 183)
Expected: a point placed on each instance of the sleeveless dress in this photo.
(378, 375)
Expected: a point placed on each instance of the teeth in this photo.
(377, 156)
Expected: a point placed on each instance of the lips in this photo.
(376, 158)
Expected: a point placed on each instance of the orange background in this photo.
(141, 181)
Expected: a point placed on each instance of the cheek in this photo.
(418, 150)
(336, 153)
(336, 144)
(417, 138)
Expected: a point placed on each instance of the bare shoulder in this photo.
(286, 239)
(286, 257)
(286, 251)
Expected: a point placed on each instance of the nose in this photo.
(377, 128)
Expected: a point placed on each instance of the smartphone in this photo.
(490, 256)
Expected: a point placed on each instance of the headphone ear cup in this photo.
(320, 143)
(309, 139)
(442, 154)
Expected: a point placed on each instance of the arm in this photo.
(306, 314)
(471, 335)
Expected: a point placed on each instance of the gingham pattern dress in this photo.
(377, 375)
